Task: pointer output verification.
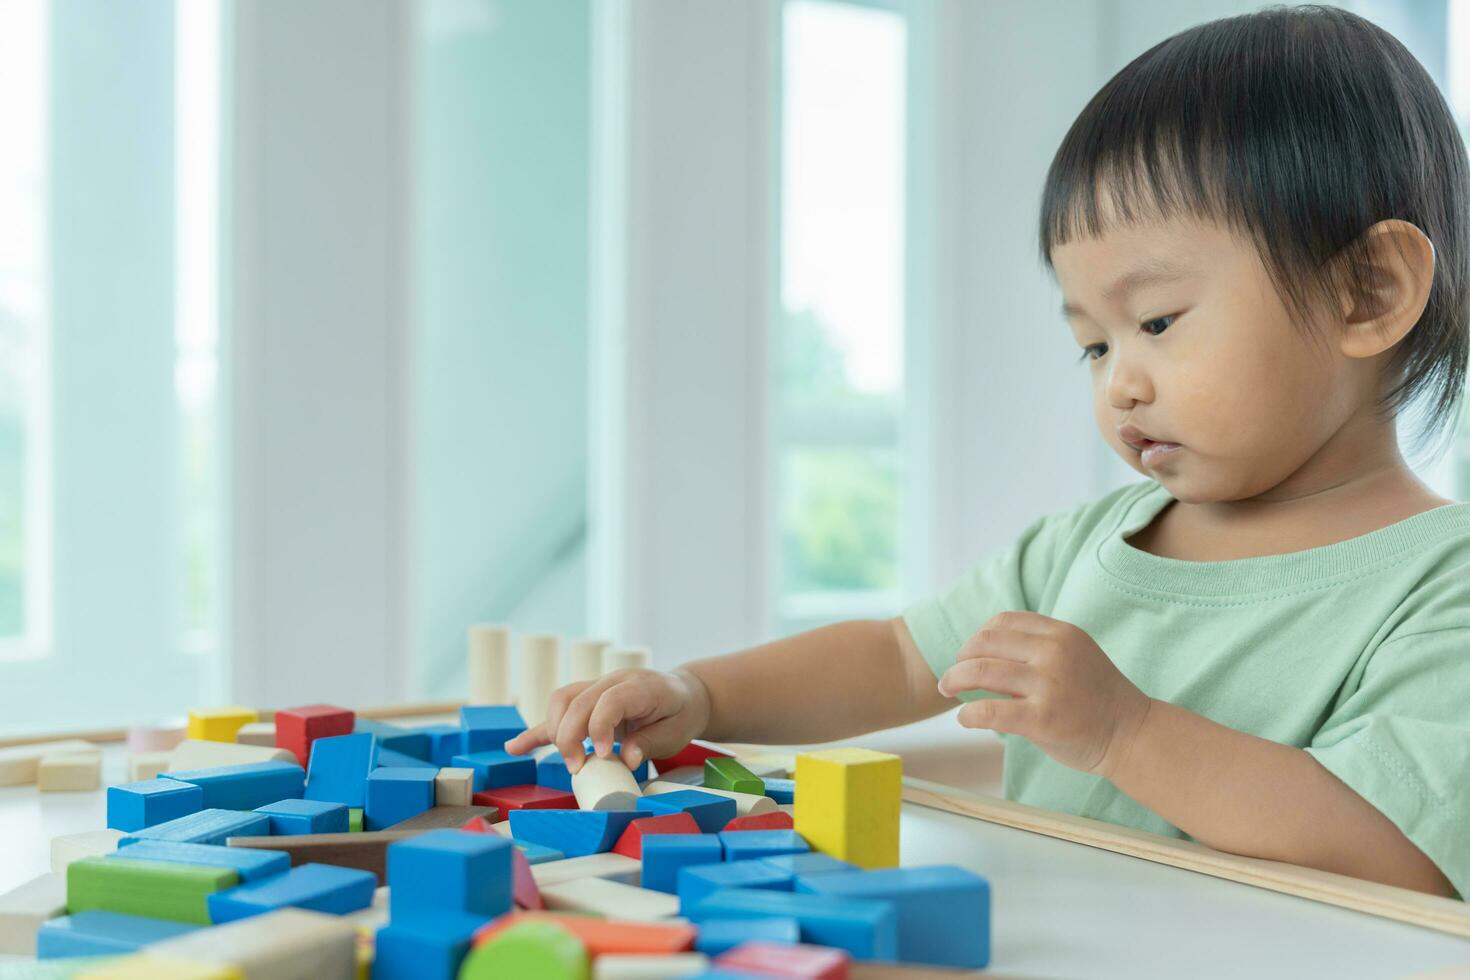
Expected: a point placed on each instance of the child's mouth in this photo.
(1153, 451)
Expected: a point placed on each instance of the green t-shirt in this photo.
(1357, 651)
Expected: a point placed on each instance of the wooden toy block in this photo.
(605, 784)
(639, 774)
(290, 944)
(696, 882)
(204, 827)
(605, 865)
(424, 947)
(780, 790)
(638, 966)
(688, 775)
(866, 928)
(631, 842)
(664, 854)
(692, 754)
(395, 738)
(540, 949)
(807, 864)
(160, 889)
(72, 847)
(539, 664)
(573, 832)
(730, 774)
(133, 806)
(848, 804)
(603, 896)
(537, 853)
(501, 827)
(719, 935)
(747, 845)
(763, 821)
(297, 728)
(788, 960)
(487, 727)
(338, 768)
(289, 817)
(529, 797)
(447, 818)
(454, 786)
(709, 810)
(257, 733)
(943, 910)
(602, 937)
(584, 660)
(387, 757)
(193, 753)
(102, 933)
(365, 851)
(146, 765)
(318, 887)
(551, 772)
(445, 742)
(770, 765)
(495, 768)
(453, 871)
(489, 664)
(219, 724)
(156, 738)
(249, 864)
(626, 658)
(69, 771)
(20, 764)
(397, 793)
(23, 909)
(149, 965)
(354, 819)
(524, 891)
(245, 787)
(746, 804)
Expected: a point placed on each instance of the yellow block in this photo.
(847, 804)
(219, 724)
(150, 966)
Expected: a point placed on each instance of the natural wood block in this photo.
(539, 671)
(367, 850)
(444, 816)
(155, 966)
(454, 787)
(146, 765)
(194, 753)
(746, 804)
(257, 733)
(219, 724)
(640, 966)
(23, 909)
(74, 847)
(626, 658)
(20, 764)
(584, 660)
(605, 784)
(603, 896)
(287, 943)
(156, 738)
(489, 667)
(618, 867)
(69, 772)
(848, 804)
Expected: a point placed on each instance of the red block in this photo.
(477, 825)
(782, 960)
(523, 883)
(630, 844)
(509, 798)
(692, 754)
(297, 728)
(780, 820)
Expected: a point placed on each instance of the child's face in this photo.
(1226, 374)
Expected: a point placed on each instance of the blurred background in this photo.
(330, 327)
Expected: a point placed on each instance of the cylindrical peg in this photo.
(623, 658)
(605, 784)
(538, 674)
(584, 660)
(489, 664)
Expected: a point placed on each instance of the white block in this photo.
(24, 909)
(146, 765)
(489, 667)
(636, 966)
(454, 787)
(69, 771)
(605, 784)
(74, 847)
(746, 804)
(198, 753)
(615, 899)
(502, 828)
(689, 775)
(20, 764)
(584, 660)
(626, 658)
(257, 733)
(538, 675)
(157, 738)
(287, 944)
(608, 864)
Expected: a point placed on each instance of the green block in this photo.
(729, 774)
(354, 819)
(543, 950)
(160, 889)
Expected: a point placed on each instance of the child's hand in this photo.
(1069, 698)
(654, 714)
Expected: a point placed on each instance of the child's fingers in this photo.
(656, 741)
(573, 726)
(528, 740)
(988, 674)
(556, 707)
(616, 704)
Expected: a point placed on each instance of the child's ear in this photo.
(1392, 289)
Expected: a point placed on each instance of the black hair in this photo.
(1298, 127)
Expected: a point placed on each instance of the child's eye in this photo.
(1087, 351)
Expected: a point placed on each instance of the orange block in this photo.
(780, 820)
(630, 844)
(604, 935)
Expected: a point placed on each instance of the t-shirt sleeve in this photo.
(1402, 742)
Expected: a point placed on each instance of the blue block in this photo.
(495, 769)
(487, 727)
(781, 790)
(247, 786)
(250, 863)
(709, 811)
(451, 871)
(395, 738)
(445, 742)
(424, 947)
(943, 910)
(397, 793)
(576, 833)
(867, 928)
(133, 806)
(338, 769)
(696, 882)
(639, 775)
(537, 853)
(99, 933)
(305, 817)
(747, 845)
(718, 935)
(397, 760)
(810, 863)
(319, 887)
(204, 827)
(665, 854)
(551, 771)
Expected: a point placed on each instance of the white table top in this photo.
(1058, 909)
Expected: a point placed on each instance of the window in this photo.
(1457, 90)
(838, 346)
